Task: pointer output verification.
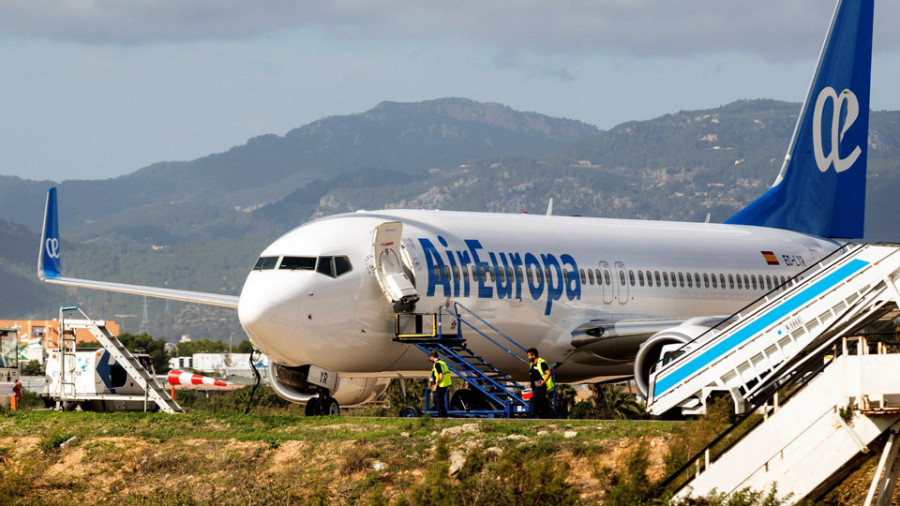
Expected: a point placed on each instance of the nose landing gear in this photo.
(324, 405)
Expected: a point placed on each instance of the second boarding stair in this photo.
(153, 391)
(502, 393)
(754, 351)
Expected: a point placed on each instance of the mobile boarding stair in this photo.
(153, 392)
(838, 410)
(500, 395)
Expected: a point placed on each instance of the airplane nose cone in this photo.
(269, 315)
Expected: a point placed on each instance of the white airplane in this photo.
(597, 297)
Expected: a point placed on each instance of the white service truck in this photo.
(92, 380)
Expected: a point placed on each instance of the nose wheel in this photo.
(322, 406)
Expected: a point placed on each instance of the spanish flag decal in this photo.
(770, 257)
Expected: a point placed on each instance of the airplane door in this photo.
(609, 283)
(389, 272)
(622, 282)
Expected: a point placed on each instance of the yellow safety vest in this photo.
(543, 367)
(446, 380)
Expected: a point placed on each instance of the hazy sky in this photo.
(99, 88)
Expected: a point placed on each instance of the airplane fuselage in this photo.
(536, 278)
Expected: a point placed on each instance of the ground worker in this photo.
(541, 383)
(440, 373)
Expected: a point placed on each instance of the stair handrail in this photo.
(798, 382)
(460, 320)
(820, 266)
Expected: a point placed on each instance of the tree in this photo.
(32, 368)
(245, 346)
(188, 348)
(144, 343)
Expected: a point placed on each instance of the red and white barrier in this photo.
(186, 378)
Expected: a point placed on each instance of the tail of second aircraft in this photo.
(49, 265)
(821, 188)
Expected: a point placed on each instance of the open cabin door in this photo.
(389, 271)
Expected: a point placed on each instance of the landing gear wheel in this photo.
(330, 407)
(409, 412)
(313, 407)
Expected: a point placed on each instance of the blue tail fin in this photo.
(821, 188)
(49, 265)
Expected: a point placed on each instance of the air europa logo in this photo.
(545, 279)
(52, 247)
(837, 133)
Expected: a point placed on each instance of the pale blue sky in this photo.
(100, 88)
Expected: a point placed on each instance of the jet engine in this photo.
(300, 384)
(653, 349)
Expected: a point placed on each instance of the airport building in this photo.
(39, 336)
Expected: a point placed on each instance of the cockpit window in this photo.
(265, 263)
(298, 263)
(333, 266)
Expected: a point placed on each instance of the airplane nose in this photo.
(269, 316)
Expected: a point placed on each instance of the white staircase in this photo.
(756, 348)
(153, 391)
(836, 417)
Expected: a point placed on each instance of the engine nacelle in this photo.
(300, 384)
(651, 350)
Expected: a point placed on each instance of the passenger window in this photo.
(265, 263)
(584, 277)
(299, 264)
(565, 277)
(722, 280)
(746, 282)
(606, 278)
(437, 272)
(656, 275)
(455, 272)
(705, 280)
(590, 273)
(622, 278)
(631, 277)
(739, 282)
(689, 282)
(493, 276)
(641, 277)
(519, 276)
(465, 273)
(674, 279)
(731, 281)
(501, 274)
(665, 279)
(547, 277)
(753, 280)
(447, 272)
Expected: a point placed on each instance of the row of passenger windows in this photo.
(327, 265)
(604, 277)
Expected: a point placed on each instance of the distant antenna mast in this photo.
(143, 329)
(550, 207)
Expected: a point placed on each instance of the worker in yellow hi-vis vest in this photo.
(440, 373)
(541, 383)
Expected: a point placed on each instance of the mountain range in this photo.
(200, 224)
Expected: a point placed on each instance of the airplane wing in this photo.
(49, 269)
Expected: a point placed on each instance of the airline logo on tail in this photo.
(833, 157)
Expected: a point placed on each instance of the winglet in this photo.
(49, 265)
